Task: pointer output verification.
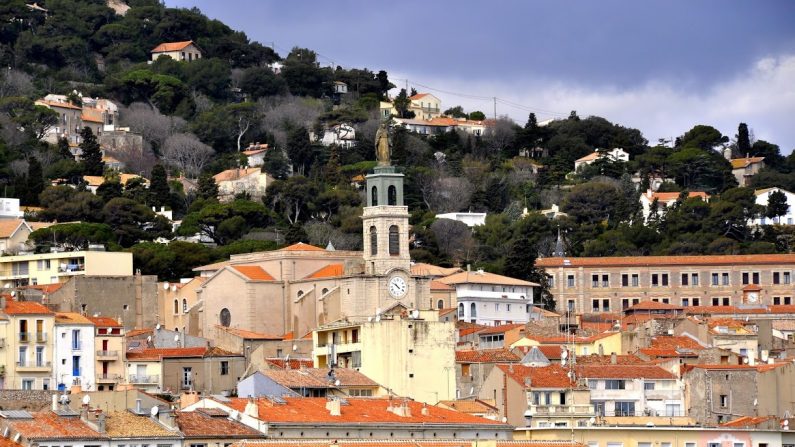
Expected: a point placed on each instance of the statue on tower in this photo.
(383, 148)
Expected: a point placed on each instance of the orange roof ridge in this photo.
(328, 271)
(253, 272)
(300, 246)
(172, 46)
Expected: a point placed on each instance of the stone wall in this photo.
(31, 400)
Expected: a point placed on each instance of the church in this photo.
(301, 287)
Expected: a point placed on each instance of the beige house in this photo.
(51, 268)
(251, 181)
(745, 168)
(27, 329)
(419, 363)
(425, 106)
(94, 181)
(14, 235)
(109, 342)
(69, 120)
(179, 51)
(687, 281)
(173, 370)
(737, 336)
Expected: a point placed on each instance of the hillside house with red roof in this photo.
(425, 106)
(179, 51)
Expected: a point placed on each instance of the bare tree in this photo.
(19, 167)
(185, 152)
(321, 233)
(283, 112)
(15, 83)
(150, 123)
(500, 135)
(448, 194)
(10, 131)
(453, 238)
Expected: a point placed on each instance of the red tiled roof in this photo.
(300, 246)
(596, 359)
(65, 105)
(596, 326)
(292, 363)
(562, 339)
(419, 96)
(197, 424)
(171, 46)
(666, 260)
(469, 406)
(438, 285)
(401, 443)
(14, 307)
(136, 332)
(254, 272)
(48, 425)
(623, 372)
(719, 367)
(329, 271)
(10, 226)
(45, 288)
(312, 411)
(486, 356)
(672, 346)
(104, 321)
(740, 163)
(469, 330)
(672, 196)
(161, 353)
(653, 305)
(481, 277)
(552, 376)
(747, 421)
(318, 378)
(501, 329)
(249, 335)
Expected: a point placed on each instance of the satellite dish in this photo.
(415, 314)
(504, 419)
(472, 390)
(86, 399)
(745, 360)
(165, 286)
(378, 318)
(154, 411)
(157, 326)
(174, 288)
(13, 293)
(592, 420)
(7, 286)
(176, 337)
(149, 338)
(337, 382)
(295, 347)
(564, 355)
(755, 402)
(287, 358)
(786, 422)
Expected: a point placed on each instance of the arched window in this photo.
(394, 240)
(392, 195)
(473, 310)
(176, 306)
(440, 304)
(374, 197)
(373, 241)
(184, 305)
(225, 317)
(460, 310)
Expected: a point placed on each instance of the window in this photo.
(595, 305)
(473, 310)
(716, 301)
(465, 370)
(460, 310)
(570, 281)
(755, 277)
(392, 195)
(725, 301)
(672, 410)
(594, 281)
(787, 278)
(624, 303)
(776, 278)
(787, 300)
(225, 317)
(694, 279)
(440, 304)
(27, 384)
(176, 306)
(648, 385)
(664, 279)
(76, 339)
(624, 280)
(696, 301)
(625, 408)
(562, 398)
(394, 240)
(373, 241)
(724, 400)
(655, 280)
(776, 300)
(508, 307)
(715, 279)
(635, 280)
(690, 444)
(184, 305)
(187, 377)
(224, 368)
(725, 279)
(496, 307)
(40, 356)
(605, 305)
(615, 384)
(685, 302)
(745, 278)
(684, 279)
(23, 355)
(605, 280)
(374, 196)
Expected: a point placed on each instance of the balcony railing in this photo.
(38, 364)
(108, 354)
(561, 409)
(135, 378)
(69, 268)
(185, 385)
(41, 337)
(24, 337)
(105, 378)
(77, 346)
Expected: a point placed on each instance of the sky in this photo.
(659, 66)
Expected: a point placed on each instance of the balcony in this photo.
(559, 410)
(33, 366)
(25, 337)
(186, 385)
(71, 268)
(136, 379)
(108, 378)
(663, 394)
(41, 337)
(107, 355)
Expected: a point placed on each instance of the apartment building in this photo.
(109, 361)
(28, 350)
(51, 268)
(490, 299)
(73, 341)
(632, 390)
(611, 284)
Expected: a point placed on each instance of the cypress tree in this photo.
(159, 192)
(208, 189)
(91, 158)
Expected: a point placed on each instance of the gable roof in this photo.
(173, 46)
(592, 156)
(318, 378)
(300, 246)
(124, 424)
(14, 307)
(469, 406)
(423, 269)
(8, 227)
(289, 364)
(105, 322)
(486, 356)
(71, 318)
(248, 335)
(199, 424)
(48, 425)
(440, 286)
(253, 272)
(482, 277)
(329, 271)
(97, 180)
(501, 329)
(630, 371)
(235, 174)
(551, 376)
(151, 354)
(740, 163)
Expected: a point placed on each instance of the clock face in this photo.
(753, 297)
(398, 287)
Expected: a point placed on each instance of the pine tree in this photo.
(35, 182)
(208, 189)
(331, 171)
(743, 140)
(63, 149)
(91, 158)
(520, 259)
(159, 192)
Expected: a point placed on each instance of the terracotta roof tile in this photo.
(419, 96)
(249, 335)
(318, 378)
(501, 329)
(48, 425)
(747, 421)
(739, 163)
(552, 376)
(721, 367)
(45, 288)
(469, 406)
(300, 246)
(254, 272)
(621, 359)
(329, 271)
(171, 46)
(312, 411)
(71, 318)
(486, 356)
(480, 277)
(138, 332)
(651, 261)
(401, 443)
(104, 321)
(652, 305)
(197, 424)
(10, 226)
(292, 363)
(123, 424)
(161, 353)
(623, 372)
(440, 286)
(673, 196)
(14, 307)
(65, 105)
(562, 339)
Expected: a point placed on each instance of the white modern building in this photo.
(633, 390)
(74, 351)
(490, 299)
(762, 198)
(469, 218)
(9, 208)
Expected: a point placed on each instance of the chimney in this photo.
(138, 406)
(613, 359)
(251, 408)
(752, 360)
(54, 403)
(334, 407)
(101, 423)
(425, 411)
(167, 418)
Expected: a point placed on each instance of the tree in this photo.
(127, 218)
(35, 182)
(303, 74)
(743, 140)
(66, 204)
(456, 112)
(702, 137)
(261, 81)
(477, 115)
(591, 202)
(383, 84)
(208, 188)
(402, 103)
(63, 149)
(453, 238)
(777, 205)
(292, 197)
(91, 157)
(159, 191)
(276, 164)
(300, 150)
(109, 190)
(186, 153)
(72, 236)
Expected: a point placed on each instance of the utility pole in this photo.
(495, 108)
